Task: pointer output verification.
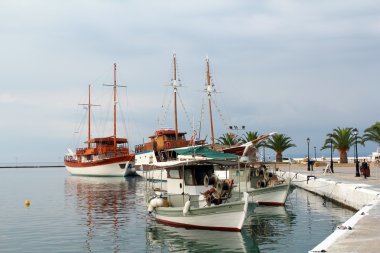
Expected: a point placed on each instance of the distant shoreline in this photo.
(31, 166)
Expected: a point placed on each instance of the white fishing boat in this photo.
(104, 156)
(194, 199)
(263, 185)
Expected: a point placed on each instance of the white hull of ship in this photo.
(107, 170)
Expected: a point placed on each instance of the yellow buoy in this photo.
(27, 203)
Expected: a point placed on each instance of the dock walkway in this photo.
(361, 233)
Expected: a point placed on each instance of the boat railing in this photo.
(69, 158)
(179, 200)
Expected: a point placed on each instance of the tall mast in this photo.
(89, 105)
(209, 91)
(114, 106)
(114, 109)
(175, 84)
(89, 116)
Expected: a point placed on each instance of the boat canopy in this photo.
(205, 152)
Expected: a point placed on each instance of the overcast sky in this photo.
(296, 67)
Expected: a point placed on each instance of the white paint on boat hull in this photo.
(110, 170)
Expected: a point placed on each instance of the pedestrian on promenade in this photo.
(364, 168)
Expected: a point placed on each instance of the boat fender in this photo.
(186, 208)
(257, 172)
(159, 202)
(150, 208)
(153, 202)
(258, 184)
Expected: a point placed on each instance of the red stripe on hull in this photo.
(120, 159)
(181, 225)
(271, 204)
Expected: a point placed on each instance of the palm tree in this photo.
(228, 139)
(250, 136)
(279, 143)
(372, 133)
(342, 139)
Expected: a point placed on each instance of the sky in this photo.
(301, 68)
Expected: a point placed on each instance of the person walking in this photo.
(365, 168)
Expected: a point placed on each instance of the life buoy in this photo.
(225, 186)
(167, 145)
(213, 180)
(205, 181)
(266, 175)
(219, 187)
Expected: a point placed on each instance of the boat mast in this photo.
(114, 109)
(175, 94)
(89, 116)
(89, 105)
(209, 91)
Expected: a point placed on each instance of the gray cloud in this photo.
(297, 67)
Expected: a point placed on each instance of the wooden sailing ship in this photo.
(104, 156)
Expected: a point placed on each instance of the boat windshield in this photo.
(189, 177)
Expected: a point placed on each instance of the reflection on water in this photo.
(299, 226)
(174, 239)
(91, 214)
(107, 205)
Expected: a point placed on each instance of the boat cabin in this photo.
(104, 147)
(163, 139)
(188, 178)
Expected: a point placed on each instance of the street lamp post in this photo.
(331, 156)
(315, 153)
(355, 132)
(264, 142)
(308, 157)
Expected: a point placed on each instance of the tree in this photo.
(342, 139)
(279, 143)
(372, 133)
(228, 139)
(250, 136)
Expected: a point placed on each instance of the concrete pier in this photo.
(361, 233)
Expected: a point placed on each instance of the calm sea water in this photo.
(79, 214)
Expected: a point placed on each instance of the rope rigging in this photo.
(184, 109)
(201, 120)
(162, 120)
(219, 113)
